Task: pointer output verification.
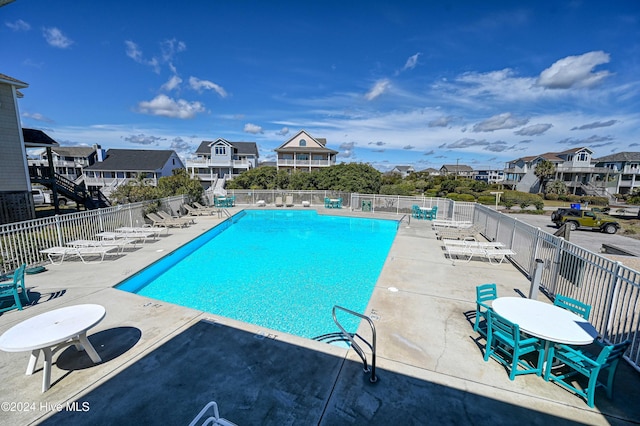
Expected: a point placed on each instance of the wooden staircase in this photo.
(67, 188)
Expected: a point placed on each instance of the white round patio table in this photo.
(51, 331)
(545, 321)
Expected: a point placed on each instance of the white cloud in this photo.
(142, 139)
(199, 85)
(440, 122)
(499, 122)
(37, 116)
(534, 129)
(346, 150)
(595, 125)
(172, 83)
(165, 106)
(170, 48)
(283, 132)
(378, 89)
(253, 129)
(575, 71)
(411, 62)
(55, 38)
(18, 25)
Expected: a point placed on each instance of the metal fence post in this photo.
(534, 257)
(59, 230)
(611, 302)
(535, 279)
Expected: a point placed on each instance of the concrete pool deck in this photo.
(162, 363)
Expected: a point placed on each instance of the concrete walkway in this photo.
(162, 363)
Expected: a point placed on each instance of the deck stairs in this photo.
(71, 190)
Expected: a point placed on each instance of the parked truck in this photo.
(42, 197)
(575, 219)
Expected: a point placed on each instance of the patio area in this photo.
(162, 363)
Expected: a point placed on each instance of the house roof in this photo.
(430, 170)
(12, 81)
(554, 157)
(456, 167)
(320, 147)
(241, 147)
(34, 138)
(134, 160)
(74, 151)
(403, 168)
(620, 156)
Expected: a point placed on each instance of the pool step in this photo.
(333, 338)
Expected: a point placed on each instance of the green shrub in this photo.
(488, 200)
(539, 205)
(551, 197)
(466, 197)
(524, 204)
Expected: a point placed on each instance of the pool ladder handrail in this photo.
(223, 211)
(408, 216)
(355, 346)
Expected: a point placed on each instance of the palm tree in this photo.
(544, 171)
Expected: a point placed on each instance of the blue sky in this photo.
(387, 83)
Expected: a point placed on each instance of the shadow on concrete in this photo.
(257, 380)
(110, 344)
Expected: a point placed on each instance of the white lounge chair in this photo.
(279, 202)
(126, 235)
(120, 243)
(82, 252)
(494, 255)
(289, 201)
(157, 230)
(167, 216)
(199, 206)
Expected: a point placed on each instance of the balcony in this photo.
(207, 163)
(305, 163)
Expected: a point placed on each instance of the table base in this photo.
(80, 341)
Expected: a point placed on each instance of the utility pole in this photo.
(457, 168)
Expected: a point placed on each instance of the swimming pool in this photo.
(279, 269)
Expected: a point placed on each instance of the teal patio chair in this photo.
(433, 213)
(11, 289)
(415, 211)
(573, 305)
(327, 203)
(588, 365)
(484, 293)
(506, 345)
(339, 203)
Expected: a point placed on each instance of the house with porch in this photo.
(456, 170)
(403, 171)
(304, 152)
(626, 166)
(116, 167)
(575, 167)
(68, 161)
(221, 160)
(490, 176)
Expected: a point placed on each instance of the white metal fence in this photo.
(21, 242)
(612, 289)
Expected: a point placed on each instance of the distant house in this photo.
(119, 166)
(626, 167)
(574, 167)
(221, 159)
(404, 171)
(489, 176)
(304, 152)
(67, 161)
(431, 171)
(456, 170)
(16, 202)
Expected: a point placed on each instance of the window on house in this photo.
(302, 156)
(303, 142)
(220, 150)
(583, 156)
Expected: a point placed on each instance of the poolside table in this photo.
(51, 331)
(546, 321)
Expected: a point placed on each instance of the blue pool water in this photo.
(279, 269)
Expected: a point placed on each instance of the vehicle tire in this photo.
(610, 229)
(62, 202)
(572, 225)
